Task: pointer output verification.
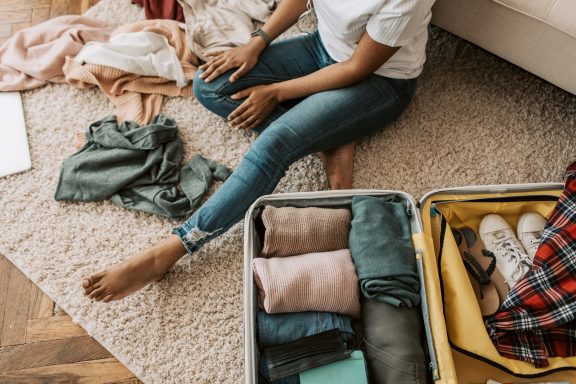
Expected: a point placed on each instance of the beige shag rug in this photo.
(475, 120)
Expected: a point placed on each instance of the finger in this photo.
(214, 53)
(242, 94)
(243, 117)
(213, 65)
(254, 124)
(246, 124)
(239, 73)
(238, 111)
(218, 71)
(211, 61)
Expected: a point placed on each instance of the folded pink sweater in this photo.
(35, 55)
(325, 282)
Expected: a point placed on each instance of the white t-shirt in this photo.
(403, 23)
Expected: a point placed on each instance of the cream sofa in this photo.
(537, 35)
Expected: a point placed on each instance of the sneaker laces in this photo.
(511, 251)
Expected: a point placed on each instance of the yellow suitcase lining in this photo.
(451, 290)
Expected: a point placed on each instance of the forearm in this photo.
(367, 58)
(340, 75)
(284, 17)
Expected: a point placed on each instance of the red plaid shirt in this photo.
(538, 318)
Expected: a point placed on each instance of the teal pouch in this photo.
(350, 370)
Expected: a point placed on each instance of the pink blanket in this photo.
(35, 56)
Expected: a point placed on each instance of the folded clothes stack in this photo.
(317, 263)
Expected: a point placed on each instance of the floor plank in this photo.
(40, 14)
(13, 329)
(20, 26)
(58, 311)
(17, 5)
(91, 372)
(47, 353)
(61, 7)
(5, 30)
(40, 304)
(52, 328)
(85, 4)
(5, 267)
(11, 17)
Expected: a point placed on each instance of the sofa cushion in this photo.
(558, 13)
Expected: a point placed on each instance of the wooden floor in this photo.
(19, 14)
(39, 343)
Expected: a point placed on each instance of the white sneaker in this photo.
(511, 259)
(529, 230)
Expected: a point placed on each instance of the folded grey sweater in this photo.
(137, 167)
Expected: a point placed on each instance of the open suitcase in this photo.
(460, 350)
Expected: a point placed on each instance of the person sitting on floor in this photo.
(316, 92)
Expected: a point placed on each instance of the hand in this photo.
(244, 58)
(259, 104)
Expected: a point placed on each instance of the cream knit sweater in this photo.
(136, 97)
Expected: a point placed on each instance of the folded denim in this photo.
(283, 328)
(393, 343)
(381, 246)
(323, 282)
(295, 231)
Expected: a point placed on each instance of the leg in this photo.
(282, 61)
(322, 121)
(134, 273)
(339, 165)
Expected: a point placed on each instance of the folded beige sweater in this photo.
(325, 282)
(34, 56)
(294, 231)
(136, 97)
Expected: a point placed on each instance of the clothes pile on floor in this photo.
(135, 65)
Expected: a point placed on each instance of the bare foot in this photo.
(79, 140)
(339, 166)
(133, 274)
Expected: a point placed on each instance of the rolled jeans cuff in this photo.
(191, 236)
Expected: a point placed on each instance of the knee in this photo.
(275, 147)
(208, 94)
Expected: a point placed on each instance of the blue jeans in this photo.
(322, 121)
(282, 328)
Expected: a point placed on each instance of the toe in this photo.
(102, 295)
(97, 276)
(86, 282)
(91, 288)
(97, 292)
(107, 299)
